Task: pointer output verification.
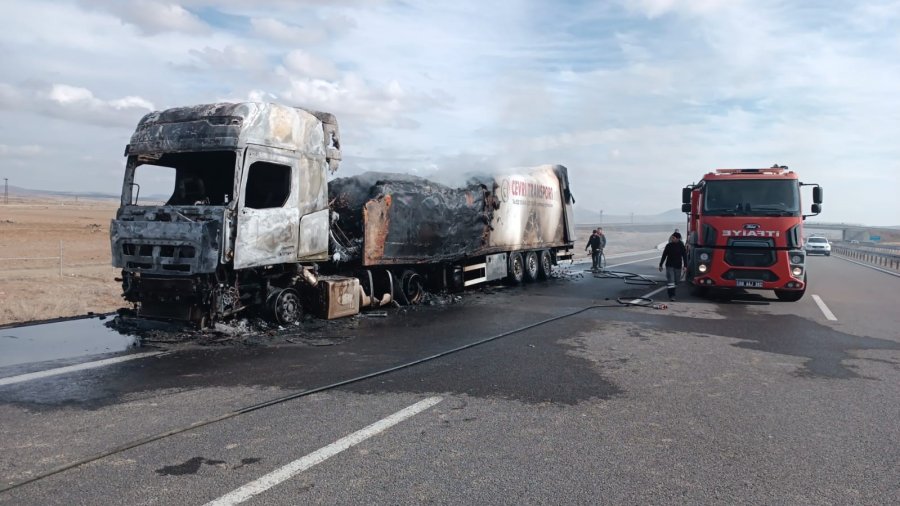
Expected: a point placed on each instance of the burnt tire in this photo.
(283, 306)
(516, 269)
(531, 266)
(412, 289)
(545, 263)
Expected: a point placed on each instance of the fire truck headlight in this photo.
(704, 257)
(796, 259)
(797, 271)
(702, 268)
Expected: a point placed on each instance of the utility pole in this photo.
(601, 216)
(6, 190)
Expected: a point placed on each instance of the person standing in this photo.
(594, 245)
(602, 247)
(674, 256)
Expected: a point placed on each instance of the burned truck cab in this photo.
(247, 207)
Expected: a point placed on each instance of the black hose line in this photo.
(637, 301)
(630, 278)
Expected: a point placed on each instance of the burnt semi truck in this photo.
(254, 224)
(745, 231)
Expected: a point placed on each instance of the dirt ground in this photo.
(34, 285)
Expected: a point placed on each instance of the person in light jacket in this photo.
(674, 257)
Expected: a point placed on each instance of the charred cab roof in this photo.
(233, 126)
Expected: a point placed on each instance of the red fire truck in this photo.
(745, 231)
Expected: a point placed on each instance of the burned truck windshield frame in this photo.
(201, 178)
(752, 197)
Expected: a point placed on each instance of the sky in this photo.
(636, 97)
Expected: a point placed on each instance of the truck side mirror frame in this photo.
(686, 207)
(135, 194)
(817, 195)
(686, 196)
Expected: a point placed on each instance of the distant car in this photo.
(818, 246)
(854, 241)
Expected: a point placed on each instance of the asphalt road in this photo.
(705, 402)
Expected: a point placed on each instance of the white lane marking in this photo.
(648, 295)
(279, 475)
(72, 368)
(827, 312)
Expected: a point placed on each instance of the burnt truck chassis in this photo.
(411, 261)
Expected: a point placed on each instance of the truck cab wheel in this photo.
(516, 270)
(283, 306)
(545, 264)
(531, 266)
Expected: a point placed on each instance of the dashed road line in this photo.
(827, 312)
(284, 473)
(73, 368)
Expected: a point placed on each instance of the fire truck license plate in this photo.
(749, 283)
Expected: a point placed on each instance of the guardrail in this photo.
(887, 258)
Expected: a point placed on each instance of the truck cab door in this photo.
(268, 218)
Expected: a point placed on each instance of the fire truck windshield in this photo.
(751, 197)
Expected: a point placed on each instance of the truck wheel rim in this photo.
(286, 307)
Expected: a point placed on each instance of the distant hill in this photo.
(18, 191)
(589, 217)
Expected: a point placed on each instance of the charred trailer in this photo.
(408, 234)
(251, 223)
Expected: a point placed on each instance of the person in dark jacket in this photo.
(596, 243)
(674, 256)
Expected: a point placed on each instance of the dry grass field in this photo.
(34, 286)
(38, 287)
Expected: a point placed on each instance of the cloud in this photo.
(636, 97)
(153, 17)
(229, 58)
(286, 33)
(384, 104)
(29, 150)
(656, 8)
(73, 103)
(304, 64)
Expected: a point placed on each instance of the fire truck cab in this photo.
(745, 231)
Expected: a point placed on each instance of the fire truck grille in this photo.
(753, 253)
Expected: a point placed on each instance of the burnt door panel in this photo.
(268, 219)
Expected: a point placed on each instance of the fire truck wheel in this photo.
(790, 295)
(516, 270)
(284, 306)
(531, 266)
(545, 265)
(699, 291)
